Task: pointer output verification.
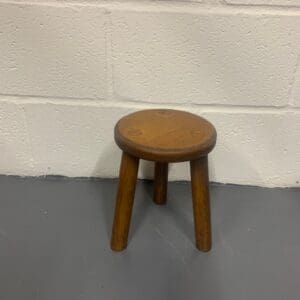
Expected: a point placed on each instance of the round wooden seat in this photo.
(165, 135)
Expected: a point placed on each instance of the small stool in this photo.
(163, 136)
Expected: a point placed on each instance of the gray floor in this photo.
(54, 237)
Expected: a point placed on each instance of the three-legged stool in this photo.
(163, 136)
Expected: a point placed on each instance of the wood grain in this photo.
(160, 183)
(165, 135)
(201, 205)
(124, 203)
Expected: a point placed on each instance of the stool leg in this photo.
(124, 203)
(201, 206)
(160, 183)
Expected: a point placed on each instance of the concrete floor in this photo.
(54, 243)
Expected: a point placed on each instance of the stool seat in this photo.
(165, 135)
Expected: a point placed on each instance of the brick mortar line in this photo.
(263, 6)
(170, 6)
(293, 83)
(28, 137)
(19, 100)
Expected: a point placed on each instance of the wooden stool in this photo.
(163, 136)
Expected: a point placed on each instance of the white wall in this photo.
(70, 69)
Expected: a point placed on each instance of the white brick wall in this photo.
(52, 51)
(69, 70)
(204, 58)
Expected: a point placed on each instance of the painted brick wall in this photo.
(70, 69)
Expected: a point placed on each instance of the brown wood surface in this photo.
(165, 135)
(124, 204)
(201, 205)
(160, 183)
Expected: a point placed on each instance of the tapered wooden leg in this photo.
(160, 183)
(124, 204)
(201, 205)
